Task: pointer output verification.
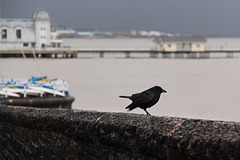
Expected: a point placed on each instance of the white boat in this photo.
(47, 90)
(42, 92)
(23, 91)
(8, 94)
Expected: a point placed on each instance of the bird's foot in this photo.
(148, 114)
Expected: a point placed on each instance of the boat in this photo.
(7, 94)
(36, 92)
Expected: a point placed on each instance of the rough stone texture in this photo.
(33, 133)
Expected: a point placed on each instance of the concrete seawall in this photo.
(33, 133)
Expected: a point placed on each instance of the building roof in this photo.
(13, 23)
(183, 39)
(41, 15)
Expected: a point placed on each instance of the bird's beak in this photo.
(164, 91)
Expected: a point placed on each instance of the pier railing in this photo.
(68, 52)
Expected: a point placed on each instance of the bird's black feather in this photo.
(145, 99)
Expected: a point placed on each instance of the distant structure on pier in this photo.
(180, 44)
(28, 33)
(187, 44)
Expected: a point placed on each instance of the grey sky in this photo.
(175, 16)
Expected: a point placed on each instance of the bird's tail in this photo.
(131, 106)
(124, 96)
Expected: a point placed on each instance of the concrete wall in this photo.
(30, 133)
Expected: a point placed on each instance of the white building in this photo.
(180, 44)
(223, 43)
(27, 33)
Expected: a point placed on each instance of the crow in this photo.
(145, 99)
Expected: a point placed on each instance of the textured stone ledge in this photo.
(32, 133)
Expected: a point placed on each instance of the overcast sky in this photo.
(220, 17)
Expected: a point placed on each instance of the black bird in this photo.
(145, 99)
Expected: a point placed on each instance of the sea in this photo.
(207, 88)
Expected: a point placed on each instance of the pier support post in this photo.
(153, 54)
(43, 55)
(101, 54)
(179, 55)
(204, 55)
(127, 54)
(63, 55)
(229, 54)
(191, 55)
(166, 55)
(74, 55)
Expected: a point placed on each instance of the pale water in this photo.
(196, 88)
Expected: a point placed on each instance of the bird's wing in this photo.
(142, 98)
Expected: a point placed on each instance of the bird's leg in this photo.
(148, 114)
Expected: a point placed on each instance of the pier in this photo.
(74, 52)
